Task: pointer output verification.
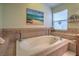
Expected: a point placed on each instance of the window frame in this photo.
(61, 21)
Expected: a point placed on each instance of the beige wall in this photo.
(72, 9)
(15, 15)
(1, 17)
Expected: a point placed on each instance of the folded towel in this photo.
(2, 41)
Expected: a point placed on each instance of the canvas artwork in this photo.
(34, 17)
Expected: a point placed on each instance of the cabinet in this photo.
(77, 46)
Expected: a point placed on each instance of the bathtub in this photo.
(36, 45)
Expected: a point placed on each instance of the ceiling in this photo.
(52, 4)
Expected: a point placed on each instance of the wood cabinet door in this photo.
(77, 47)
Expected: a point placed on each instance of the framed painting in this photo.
(34, 17)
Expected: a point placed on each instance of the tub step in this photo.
(69, 53)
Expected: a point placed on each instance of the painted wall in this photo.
(72, 9)
(15, 15)
(1, 17)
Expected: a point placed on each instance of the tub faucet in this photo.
(60, 38)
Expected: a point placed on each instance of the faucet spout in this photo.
(60, 38)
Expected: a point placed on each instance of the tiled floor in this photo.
(69, 53)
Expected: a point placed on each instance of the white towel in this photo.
(2, 41)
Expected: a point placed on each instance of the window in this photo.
(60, 20)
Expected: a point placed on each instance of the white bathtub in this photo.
(35, 45)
